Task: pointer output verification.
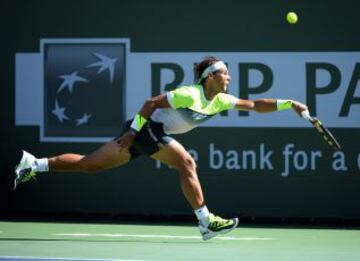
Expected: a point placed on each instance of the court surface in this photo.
(104, 242)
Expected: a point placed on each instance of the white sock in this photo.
(41, 165)
(202, 215)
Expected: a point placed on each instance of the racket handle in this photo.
(306, 115)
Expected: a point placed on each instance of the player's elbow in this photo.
(156, 102)
(245, 105)
(251, 106)
(150, 104)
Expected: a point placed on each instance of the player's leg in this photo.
(106, 157)
(174, 155)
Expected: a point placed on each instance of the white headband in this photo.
(212, 68)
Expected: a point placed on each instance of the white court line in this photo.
(68, 258)
(161, 236)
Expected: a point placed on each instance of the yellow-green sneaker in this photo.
(217, 226)
(24, 171)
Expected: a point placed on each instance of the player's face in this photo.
(221, 80)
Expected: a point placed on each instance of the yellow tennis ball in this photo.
(292, 17)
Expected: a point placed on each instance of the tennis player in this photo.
(173, 112)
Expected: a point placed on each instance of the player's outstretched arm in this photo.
(270, 105)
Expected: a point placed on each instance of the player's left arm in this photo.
(270, 105)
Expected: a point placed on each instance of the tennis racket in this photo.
(323, 131)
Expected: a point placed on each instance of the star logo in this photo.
(83, 120)
(84, 80)
(105, 63)
(70, 80)
(59, 112)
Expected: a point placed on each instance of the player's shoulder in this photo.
(193, 89)
(183, 96)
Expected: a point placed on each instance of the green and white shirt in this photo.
(189, 108)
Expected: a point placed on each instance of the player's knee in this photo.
(187, 165)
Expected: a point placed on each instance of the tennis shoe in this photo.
(25, 171)
(217, 226)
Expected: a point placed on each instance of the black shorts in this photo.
(149, 140)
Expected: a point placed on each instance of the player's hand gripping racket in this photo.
(324, 132)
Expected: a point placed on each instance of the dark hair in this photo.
(199, 68)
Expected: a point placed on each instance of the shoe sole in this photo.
(17, 170)
(22, 162)
(214, 234)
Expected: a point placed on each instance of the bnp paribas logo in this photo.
(83, 88)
